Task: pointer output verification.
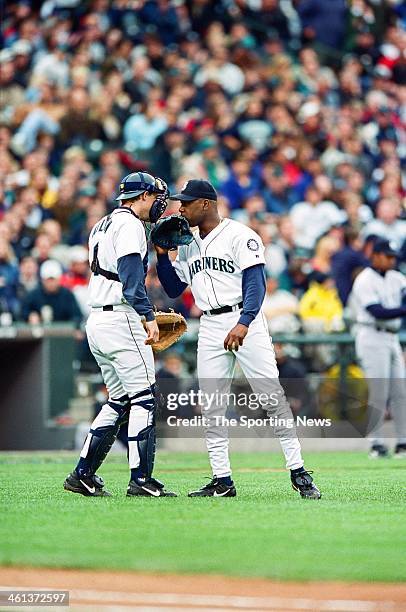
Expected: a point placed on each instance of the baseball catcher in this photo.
(120, 342)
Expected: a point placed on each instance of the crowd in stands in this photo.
(295, 110)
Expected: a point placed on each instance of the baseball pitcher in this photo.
(224, 266)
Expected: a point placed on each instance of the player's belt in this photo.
(113, 307)
(384, 329)
(223, 309)
(378, 327)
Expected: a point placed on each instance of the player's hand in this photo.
(152, 331)
(160, 251)
(235, 337)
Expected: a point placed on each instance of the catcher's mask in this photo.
(136, 183)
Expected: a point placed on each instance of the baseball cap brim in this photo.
(390, 252)
(183, 197)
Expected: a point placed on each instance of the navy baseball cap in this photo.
(381, 245)
(195, 190)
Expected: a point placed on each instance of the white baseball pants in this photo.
(116, 340)
(382, 361)
(215, 371)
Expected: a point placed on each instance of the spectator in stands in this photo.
(347, 262)
(252, 212)
(142, 130)
(169, 154)
(12, 94)
(358, 214)
(218, 69)
(50, 302)
(39, 118)
(28, 278)
(276, 262)
(42, 248)
(206, 162)
(323, 23)
(387, 223)
(314, 217)
(326, 248)
(8, 279)
(280, 308)
(77, 127)
(22, 61)
(279, 197)
(76, 278)
(241, 183)
(320, 308)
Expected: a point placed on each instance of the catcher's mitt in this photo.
(172, 326)
(171, 232)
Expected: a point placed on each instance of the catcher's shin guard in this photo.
(143, 406)
(101, 438)
(101, 442)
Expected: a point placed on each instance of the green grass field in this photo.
(356, 532)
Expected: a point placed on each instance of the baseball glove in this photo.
(172, 326)
(171, 232)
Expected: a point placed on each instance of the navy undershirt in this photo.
(380, 312)
(131, 271)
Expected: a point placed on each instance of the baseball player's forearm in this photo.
(253, 293)
(131, 273)
(380, 312)
(170, 281)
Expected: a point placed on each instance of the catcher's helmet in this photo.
(136, 183)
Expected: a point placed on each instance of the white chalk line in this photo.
(211, 602)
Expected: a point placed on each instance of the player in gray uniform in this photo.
(379, 300)
(119, 260)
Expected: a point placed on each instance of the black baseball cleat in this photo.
(90, 485)
(303, 483)
(147, 487)
(215, 488)
(400, 451)
(378, 451)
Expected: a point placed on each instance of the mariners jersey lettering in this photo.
(370, 287)
(213, 266)
(118, 234)
(211, 263)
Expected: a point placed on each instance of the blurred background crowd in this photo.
(295, 110)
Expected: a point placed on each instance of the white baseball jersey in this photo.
(118, 234)
(370, 287)
(213, 266)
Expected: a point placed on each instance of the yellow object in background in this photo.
(321, 303)
(355, 391)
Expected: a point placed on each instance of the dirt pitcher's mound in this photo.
(98, 590)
